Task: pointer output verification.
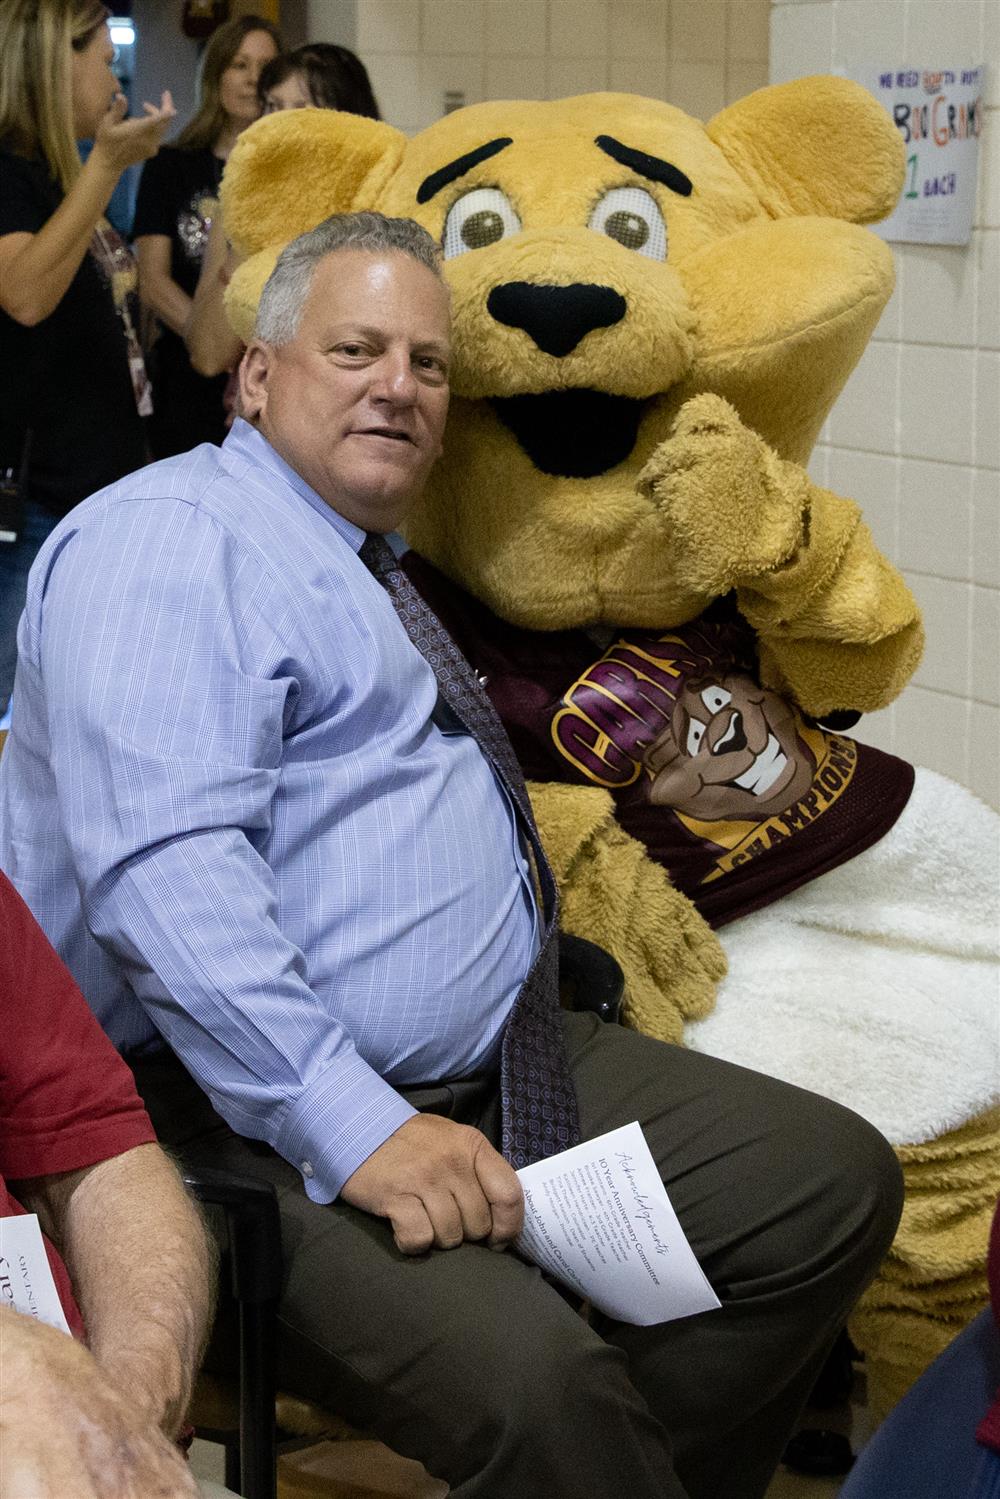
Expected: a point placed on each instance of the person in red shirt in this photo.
(96, 1413)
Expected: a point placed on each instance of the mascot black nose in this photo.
(556, 317)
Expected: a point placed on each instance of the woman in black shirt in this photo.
(74, 381)
(176, 201)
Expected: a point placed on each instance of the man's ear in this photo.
(254, 374)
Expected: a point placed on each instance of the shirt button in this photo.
(306, 1167)
(481, 678)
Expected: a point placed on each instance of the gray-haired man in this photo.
(278, 850)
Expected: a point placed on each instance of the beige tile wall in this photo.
(915, 436)
(700, 54)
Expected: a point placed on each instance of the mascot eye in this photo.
(480, 218)
(716, 698)
(696, 733)
(632, 217)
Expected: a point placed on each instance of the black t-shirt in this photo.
(178, 193)
(66, 379)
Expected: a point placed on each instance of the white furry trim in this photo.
(877, 984)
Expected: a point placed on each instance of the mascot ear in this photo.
(819, 145)
(289, 171)
(244, 289)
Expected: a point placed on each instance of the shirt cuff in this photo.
(337, 1123)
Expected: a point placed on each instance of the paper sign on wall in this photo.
(938, 112)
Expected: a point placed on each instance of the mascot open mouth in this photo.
(574, 434)
(765, 770)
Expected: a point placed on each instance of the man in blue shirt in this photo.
(237, 806)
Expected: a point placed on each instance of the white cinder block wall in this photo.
(915, 437)
(699, 53)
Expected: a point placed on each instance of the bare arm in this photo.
(157, 288)
(36, 269)
(142, 1269)
(212, 344)
(64, 1429)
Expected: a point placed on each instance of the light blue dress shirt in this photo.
(230, 801)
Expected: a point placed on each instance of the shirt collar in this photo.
(245, 445)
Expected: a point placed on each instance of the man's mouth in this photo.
(392, 434)
(765, 770)
(572, 434)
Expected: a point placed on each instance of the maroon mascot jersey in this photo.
(727, 785)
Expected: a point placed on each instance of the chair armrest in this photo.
(253, 1224)
(593, 977)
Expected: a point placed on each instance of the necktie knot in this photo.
(378, 556)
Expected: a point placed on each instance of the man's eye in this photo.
(433, 369)
(479, 218)
(632, 216)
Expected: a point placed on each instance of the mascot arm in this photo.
(615, 895)
(838, 628)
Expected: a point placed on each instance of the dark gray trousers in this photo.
(469, 1361)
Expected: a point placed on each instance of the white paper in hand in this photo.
(598, 1218)
(26, 1281)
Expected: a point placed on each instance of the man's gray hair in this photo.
(287, 287)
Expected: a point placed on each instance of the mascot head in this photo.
(609, 257)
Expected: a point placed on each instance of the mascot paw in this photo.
(733, 508)
(681, 960)
(613, 894)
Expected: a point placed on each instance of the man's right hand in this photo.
(66, 1429)
(439, 1183)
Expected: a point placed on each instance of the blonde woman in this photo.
(74, 382)
(177, 196)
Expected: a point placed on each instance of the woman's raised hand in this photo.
(122, 142)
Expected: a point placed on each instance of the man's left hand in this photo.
(439, 1184)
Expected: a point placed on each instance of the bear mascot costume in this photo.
(652, 319)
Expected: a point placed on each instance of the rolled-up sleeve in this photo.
(171, 657)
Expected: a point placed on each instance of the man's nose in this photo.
(395, 381)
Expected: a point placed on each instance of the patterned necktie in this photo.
(537, 1097)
